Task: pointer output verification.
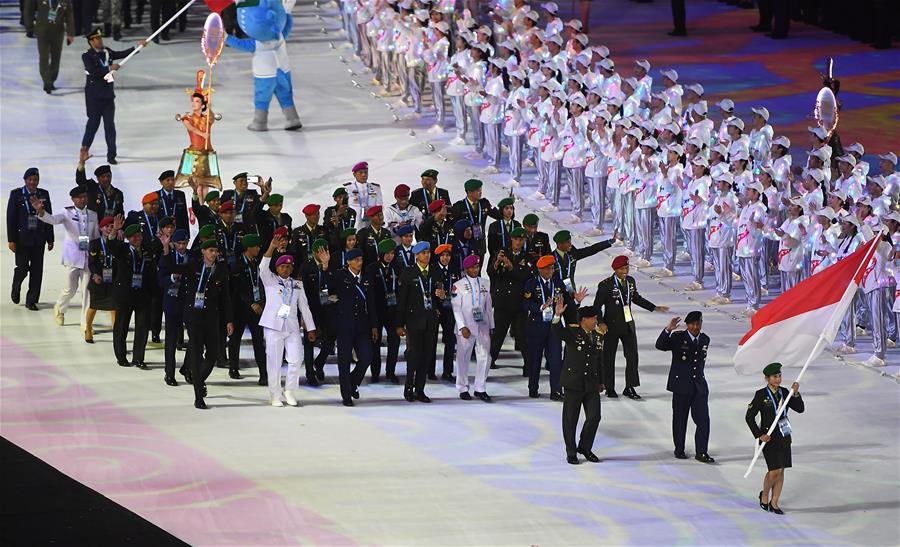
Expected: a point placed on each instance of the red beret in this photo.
(150, 198)
(546, 260)
(106, 220)
(373, 210)
(227, 206)
(435, 206)
(401, 191)
(619, 261)
(360, 166)
(311, 209)
(281, 231)
(443, 248)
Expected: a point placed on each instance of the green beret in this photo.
(339, 192)
(772, 368)
(240, 176)
(207, 231)
(530, 219)
(249, 240)
(132, 229)
(209, 244)
(275, 199)
(517, 232)
(430, 173)
(211, 196)
(506, 201)
(166, 221)
(472, 184)
(562, 236)
(348, 232)
(318, 244)
(386, 246)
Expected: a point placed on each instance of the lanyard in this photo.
(233, 242)
(27, 200)
(204, 279)
(359, 289)
(321, 285)
(82, 226)
(254, 276)
(422, 285)
(404, 257)
(384, 282)
(472, 294)
(625, 302)
(243, 202)
(179, 258)
(541, 285)
(107, 258)
(362, 196)
(425, 197)
(106, 201)
(503, 233)
(471, 214)
(150, 227)
(565, 272)
(165, 204)
(775, 400)
(285, 291)
(134, 260)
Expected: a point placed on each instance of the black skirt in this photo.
(101, 296)
(778, 453)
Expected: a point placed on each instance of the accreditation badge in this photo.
(627, 311)
(284, 311)
(199, 300)
(137, 280)
(784, 426)
(107, 275)
(83, 242)
(478, 315)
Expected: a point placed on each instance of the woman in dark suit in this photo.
(777, 450)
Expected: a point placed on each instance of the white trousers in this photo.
(696, 244)
(283, 344)
(480, 339)
(477, 127)
(874, 301)
(552, 174)
(628, 218)
(437, 97)
(72, 280)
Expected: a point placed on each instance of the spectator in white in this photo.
(81, 226)
(285, 300)
(474, 314)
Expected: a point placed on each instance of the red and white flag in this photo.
(788, 329)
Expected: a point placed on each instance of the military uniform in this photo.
(421, 198)
(687, 382)
(357, 318)
(361, 196)
(382, 279)
(135, 277)
(106, 202)
(436, 233)
(174, 204)
(367, 239)
(498, 235)
(317, 283)
(170, 273)
(303, 238)
(266, 224)
(765, 403)
(506, 293)
(566, 262)
(537, 245)
(335, 225)
(447, 321)
(53, 22)
(30, 237)
(247, 290)
(100, 97)
(477, 214)
(580, 376)
(473, 310)
(542, 340)
(417, 312)
(246, 206)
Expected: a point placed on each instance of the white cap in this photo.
(696, 88)
(643, 63)
(721, 149)
(699, 107)
(578, 98)
(607, 64)
(555, 38)
(878, 179)
(696, 141)
(421, 14)
(818, 153)
(893, 215)
(577, 78)
(551, 7)
(769, 170)
(517, 74)
(700, 160)
(725, 177)
(405, 4)
(840, 194)
(851, 219)
(736, 122)
(559, 94)
(826, 212)
(498, 62)
(551, 85)
(817, 174)
(762, 111)
(651, 142)
(856, 147)
(616, 101)
(726, 104)
(480, 46)
(739, 154)
(848, 158)
(486, 30)
(442, 26)
(575, 24)
(782, 141)
(604, 113)
(636, 133)
(819, 132)
(670, 73)
(864, 201)
(581, 38)
(756, 185)
(890, 156)
(533, 15)
(509, 44)
(583, 60)
(675, 147)
(673, 127)
(632, 82)
(661, 96)
(602, 51)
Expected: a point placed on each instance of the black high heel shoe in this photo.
(763, 506)
(776, 510)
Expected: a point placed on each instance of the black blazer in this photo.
(217, 306)
(97, 200)
(537, 245)
(383, 279)
(126, 265)
(762, 405)
(608, 304)
(419, 198)
(498, 236)
(167, 268)
(18, 209)
(686, 375)
(355, 313)
(174, 206)
(581, 364)
(247, 206)
(411, 312)
(96, 66)
(566, 263)
(314, 280)
(244, 273)
(507, 285)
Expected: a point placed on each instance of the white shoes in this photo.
(665, 272)
(594, 232)
(708, 267)
(860, 331)
(735, 277)
(458, 141)
(618, 243)
(412, 116)
(874, 361)
(512, 183)
(749, 312)
(764, 291)
(59, 317)
(474, 155)
(683, 256)
(549, 208)
(276, 402)
(608, 215)
(891, 344)
(289, 398)
(528, 163)
(844, 349)
(571, 219)
(435, 130)
(537, 196)
(504, 149)
(720, 300)
(694, 286)
(490, 170)
(640, 263)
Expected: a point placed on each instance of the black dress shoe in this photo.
(171, 381)
(347, 402)
(631, 394)
(776, 510)
(15, 297)
(704, 458)
(262, 382)
(465, 396)
(356, 392)
(47, 90)
(141, 365)
(188, 377)
(760, 28)
(589, 456)
(763, 506)
(422, 398)
(556, 396)
(200, 404)
(124, 364)
(234, 374)
(112, 161)
(89, 340)
(375, 380)
(573, 460)
(409, 396)
(432, 377)
(320, 374)
(31, 307)
(203, 390)
(678, 33)
(448, 377)
(312, 382)
(494, 366)
(156, 339)
(484, 396)
(534, 394)
(680, 455)
(392, 378)
(610, 393)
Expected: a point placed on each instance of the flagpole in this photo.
(865, 262)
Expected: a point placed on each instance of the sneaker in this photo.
(289, 398)
(549, 208)
(608, 214)
(512, 183)
(665, 272)
(276, 402)
(764, 291)
(735, 277)
(693, 286)
(490, 170)
(891, 344)
(724, 300)
(640, 263)
(874, 361)
(571, 219)
(844, 349)
(683, 256)
(537, 196)
(473, 155)
(715, 300)
(708, 266)
(594, 232)
(749, 312)
(458, 141)
(618, 243)
(528, 163)
(436, 130)
(504, 149)
(59, 317)
(860, 331)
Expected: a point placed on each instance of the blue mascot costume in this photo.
(268, 24)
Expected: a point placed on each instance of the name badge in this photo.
(570, 287)
(32, 222)
(284, 311)
(478, 315)
(256, 294)
(627, 311)
(199, 300)
(137, 280)
(239, 217)
(547, 314)
(107, 275)
(445, 303)
(390, 298)
(231, 260)
(427, 303)
(323, 297)
(83, 242)
(476, 231)
(109, 212)
(784, 426)
(51, 14)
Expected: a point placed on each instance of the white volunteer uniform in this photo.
(283, 334)
(470, 294)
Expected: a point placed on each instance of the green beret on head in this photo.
(386, 246)
(772, 368)
(275, 199)
(530, 219)
(318, 244)
(209, 244)
(166, 221)
(211, 196)
(249, 240)
(207, 231)
(240, 176)
(430, 173)
(472, 185)
(348, 232)
(339, 192)
(132, 229)
(506, 201)
(517, 232)
(562, 236)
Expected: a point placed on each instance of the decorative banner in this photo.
(213, 39)
(216, 6)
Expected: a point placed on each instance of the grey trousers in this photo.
(789, 280)
(668, 233)
(721, 258)
(477, 127)
(616, 199)
(643, 219)
(696, 244)
(552, 174)
(437, 96)
(575, 179)
(516, 144)
(750, 277)
(875, 303)
(460, 119)
(847, 331)
(415, 79)
(492, 143)
(541, 171)
(628, 219)
(597, 187)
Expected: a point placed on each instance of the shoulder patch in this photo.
(527, 295)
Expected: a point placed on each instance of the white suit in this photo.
(282, 328)
(471, 294)
(81, 227)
